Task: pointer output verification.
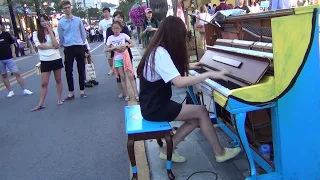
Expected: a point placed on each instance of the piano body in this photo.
(278, 76)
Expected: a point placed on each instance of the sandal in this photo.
(60, 103)
(37, 108)
(127, 98)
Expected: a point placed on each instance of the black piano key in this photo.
(228, 84)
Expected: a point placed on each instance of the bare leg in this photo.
(123, 80)
(133, 83)
(57, 76)
(194, 115)
(44, 86)
(120, 87)
(6, 81)
(19, 79)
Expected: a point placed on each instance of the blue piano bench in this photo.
(138, 129)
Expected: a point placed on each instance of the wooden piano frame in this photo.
(295, 106)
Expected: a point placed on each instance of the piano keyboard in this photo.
(212, 84)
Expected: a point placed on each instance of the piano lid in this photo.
(260, 15)
(245, 68)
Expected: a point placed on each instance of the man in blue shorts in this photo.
(7, 56)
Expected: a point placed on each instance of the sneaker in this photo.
(10, 94)
(120, 95)
(110, 72)
(94, 82)
(229, 154)
(27, 92)
(175, 157)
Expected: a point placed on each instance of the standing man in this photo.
(103, 26)
(7, 56)
(72, 37)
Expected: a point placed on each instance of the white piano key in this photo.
(212, 84)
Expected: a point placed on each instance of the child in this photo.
(88, 60)
(164, 61)
(122, 65)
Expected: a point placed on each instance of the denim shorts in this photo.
(8, 63)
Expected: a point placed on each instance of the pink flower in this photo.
(137, 15)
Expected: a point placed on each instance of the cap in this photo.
(148, 10)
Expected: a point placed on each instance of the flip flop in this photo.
(37, 108)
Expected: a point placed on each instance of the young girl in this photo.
(48, 48)
(165, 61)
(121, 61)
(119, 16)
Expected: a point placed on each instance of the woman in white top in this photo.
(254, 7)
(47, 43)
(203, 15)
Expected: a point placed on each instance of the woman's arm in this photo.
(182, 82)
(54, 39)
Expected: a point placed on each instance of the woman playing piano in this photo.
(165, 61)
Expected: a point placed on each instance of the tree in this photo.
(93, 13)
(32, 4)
(125, 6)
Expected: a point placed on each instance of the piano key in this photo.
(227, 84)
(223, 90)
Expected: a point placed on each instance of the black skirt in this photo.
(169, 113)
(48, 66)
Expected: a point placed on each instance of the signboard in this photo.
(159, 8)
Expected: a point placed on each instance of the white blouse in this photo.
(47, 54)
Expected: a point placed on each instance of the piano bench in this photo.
(137, 129)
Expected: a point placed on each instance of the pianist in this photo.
(164, 61)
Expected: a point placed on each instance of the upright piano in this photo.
(275, 76)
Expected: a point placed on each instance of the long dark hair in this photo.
(171, 35)
(40, 31)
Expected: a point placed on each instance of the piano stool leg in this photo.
(193, 97)
(240, 124)
(169, 142)
(130, 148)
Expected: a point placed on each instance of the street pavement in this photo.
(81, 140)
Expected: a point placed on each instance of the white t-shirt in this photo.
(163, 66)
(254, 9)
(47, 54)
(204, 16)
(104, 25)
(116, 41)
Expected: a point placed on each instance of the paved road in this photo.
(81, 140)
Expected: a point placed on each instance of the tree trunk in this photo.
(13, 19)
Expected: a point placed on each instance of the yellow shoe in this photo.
(229, 154)
(175, 157)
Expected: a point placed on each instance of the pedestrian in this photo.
(72, 37)
(122, 65)
(150, 25)
(164, 62)
(7, 56)
(103, 26)
(46, 40)
(119, 16)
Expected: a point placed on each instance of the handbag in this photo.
(90, 72)
(38, 68)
